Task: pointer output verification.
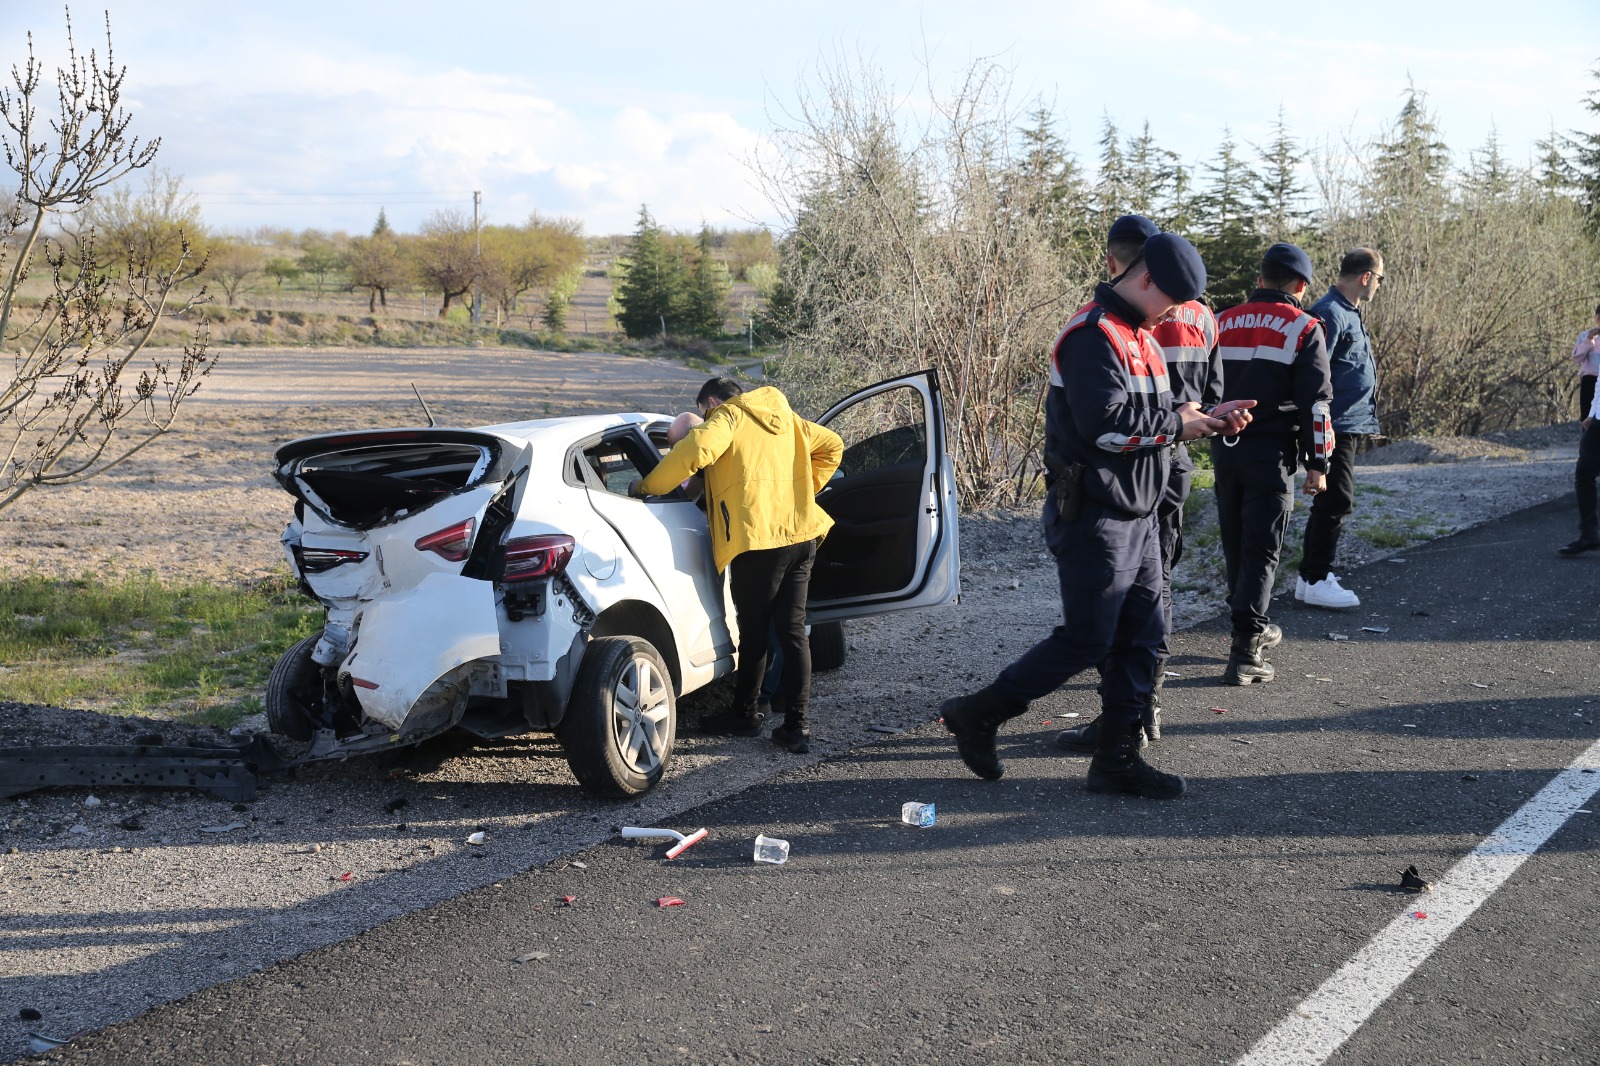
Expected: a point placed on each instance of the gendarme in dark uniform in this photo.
(1110, 424)
(1275, 353)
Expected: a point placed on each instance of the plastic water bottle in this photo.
(917, 814)
(771, 850)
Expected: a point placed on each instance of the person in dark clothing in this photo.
(1354, 375)
(1276, 354)
(1110, 422)
(1188, 339)
(1587, 471)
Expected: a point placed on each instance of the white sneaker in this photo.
(1326, 593)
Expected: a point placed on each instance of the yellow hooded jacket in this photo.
(764, 466)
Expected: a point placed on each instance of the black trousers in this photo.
(1255, 493)
(1588, 470)
(1169, 525)
(1109, 569)
(769, 590)
(1329, 509)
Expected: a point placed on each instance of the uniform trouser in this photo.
(1255, 493)
(769, 588)
(1110, 574)
(1329, 509)
(1588, 470)
(1169, 527)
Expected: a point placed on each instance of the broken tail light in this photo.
(321, 560)
(452, 543)
(531, 557)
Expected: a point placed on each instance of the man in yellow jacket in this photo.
(763, 467)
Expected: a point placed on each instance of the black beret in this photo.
(1175, 266)
(1290, 258)
(1132, 228)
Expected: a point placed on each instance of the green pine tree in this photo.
(705, 305)
(651, 296)
(1280, 194)
(1227, 236)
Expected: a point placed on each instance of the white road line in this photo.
(1328, 1017)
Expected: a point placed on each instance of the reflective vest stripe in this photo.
(1143, 370)
(1261, 331)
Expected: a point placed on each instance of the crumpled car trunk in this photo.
(369, 479)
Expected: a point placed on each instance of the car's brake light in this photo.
(452, 543)
(531, 557)
(321, 560)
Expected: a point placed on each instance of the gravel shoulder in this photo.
(114, 903)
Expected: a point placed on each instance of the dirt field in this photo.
(200, 504)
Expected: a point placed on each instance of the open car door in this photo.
(895, 543)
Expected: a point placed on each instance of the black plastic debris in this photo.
(28, 1014)
(1412, 881)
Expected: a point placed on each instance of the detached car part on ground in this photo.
(501, 579)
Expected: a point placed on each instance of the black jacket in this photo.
(1108, 412)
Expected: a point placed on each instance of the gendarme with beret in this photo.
(1175, 266)
(1290, 258)
(1132, 228)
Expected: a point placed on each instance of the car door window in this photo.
(877, 497)
(616, 463)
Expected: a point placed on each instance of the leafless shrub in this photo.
(84, 394)
(910, 245)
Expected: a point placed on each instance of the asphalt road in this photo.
(1036, 922)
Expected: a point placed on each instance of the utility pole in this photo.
(477, 254)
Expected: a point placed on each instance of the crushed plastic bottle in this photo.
(771, 850)
(918, 814)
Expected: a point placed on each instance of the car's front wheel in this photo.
(620, 723)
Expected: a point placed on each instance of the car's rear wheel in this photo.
(621, 720)
(294, 682)
(828, 649)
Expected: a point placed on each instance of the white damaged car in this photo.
(501, 579)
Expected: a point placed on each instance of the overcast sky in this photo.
(299, 114)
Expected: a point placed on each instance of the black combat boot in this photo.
(1271, 636)
(1150, 721)
(1245, 664)
(1085, 739)
(1152, 709)
(1118, 767)
(974, 719)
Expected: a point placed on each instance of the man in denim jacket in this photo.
(1355, 414)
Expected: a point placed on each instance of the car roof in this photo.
(575, 427)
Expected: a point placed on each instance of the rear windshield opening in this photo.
(365, 487)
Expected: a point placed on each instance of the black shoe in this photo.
(732, 724)
(1150, 723)
(1085, 739)
(1578, 547)
(795, 741)
(1271, 636)
(1118, 767)
(1245, 663)
(974, 720)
